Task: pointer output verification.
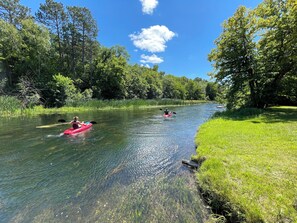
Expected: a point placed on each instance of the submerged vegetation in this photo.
(250, 168)
(163, 200)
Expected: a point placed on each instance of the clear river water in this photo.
(126, 168)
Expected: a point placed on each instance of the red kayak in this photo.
(169, 115)
(83, 128)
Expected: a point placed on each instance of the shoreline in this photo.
(248, 169)
(99, 105)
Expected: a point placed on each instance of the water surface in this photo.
(125, 168)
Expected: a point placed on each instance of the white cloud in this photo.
(152, 39)
(154, 59)
(148, 6)
(145, 65)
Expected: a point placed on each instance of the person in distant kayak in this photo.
(166, 112)
(75, 123)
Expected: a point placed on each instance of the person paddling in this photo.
(166, 112)
(75, 123)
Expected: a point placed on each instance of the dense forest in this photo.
(256, 55)
(54, 58)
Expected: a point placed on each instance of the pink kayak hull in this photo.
(83, 128)
(168, 115)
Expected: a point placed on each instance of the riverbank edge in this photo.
(99, 105)
(223, 207)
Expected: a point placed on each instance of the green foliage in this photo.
(3, 83)
(10, 40)
(234, 59)
(24, 51)
(277, 47)
(66, 44)
(211, 91)
(64, 90)
(137, 86)
(110, 73)
(153, 78)
(87, 94)
(13, 12)
(11, 44)
(28, 93)
(9, 105)
(256, 54)
(80, 32)
(194, 91)
(35, 49)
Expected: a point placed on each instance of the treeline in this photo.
(54, 58)
(256, 55)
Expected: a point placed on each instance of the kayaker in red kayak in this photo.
(166, 112)
(76, 123)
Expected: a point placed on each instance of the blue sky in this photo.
(177, 35)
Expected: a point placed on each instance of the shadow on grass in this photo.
(268, 115)
(281, 114)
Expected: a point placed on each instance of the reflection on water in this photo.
(125, 168)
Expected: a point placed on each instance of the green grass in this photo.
(9, 106)
(13, 106)
(250, 168)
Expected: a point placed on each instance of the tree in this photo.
(234, 59)
(10, 49)
(81, 33)
(64, 90)
(89, 32)
(34, 51)
(110, 73)
(28, 94)
(13, 12)
(136, 85)
(194, 91)
(277, 21)
(211, 91)
(256, 55)
(169, 83)
(52, 15)
(153, 78)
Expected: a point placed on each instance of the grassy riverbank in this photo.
(9, 106)
(250, 167)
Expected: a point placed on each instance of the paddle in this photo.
(172, 112)
(49, 126)
(63, 121)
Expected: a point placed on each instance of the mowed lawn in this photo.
(250, 167)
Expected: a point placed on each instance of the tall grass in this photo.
(250, 168)
(9, 106)
(128, 103)
(91, 105)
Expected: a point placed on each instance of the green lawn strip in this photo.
(250, 165)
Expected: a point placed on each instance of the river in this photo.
(126, 168)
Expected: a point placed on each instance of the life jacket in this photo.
(75, 125)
